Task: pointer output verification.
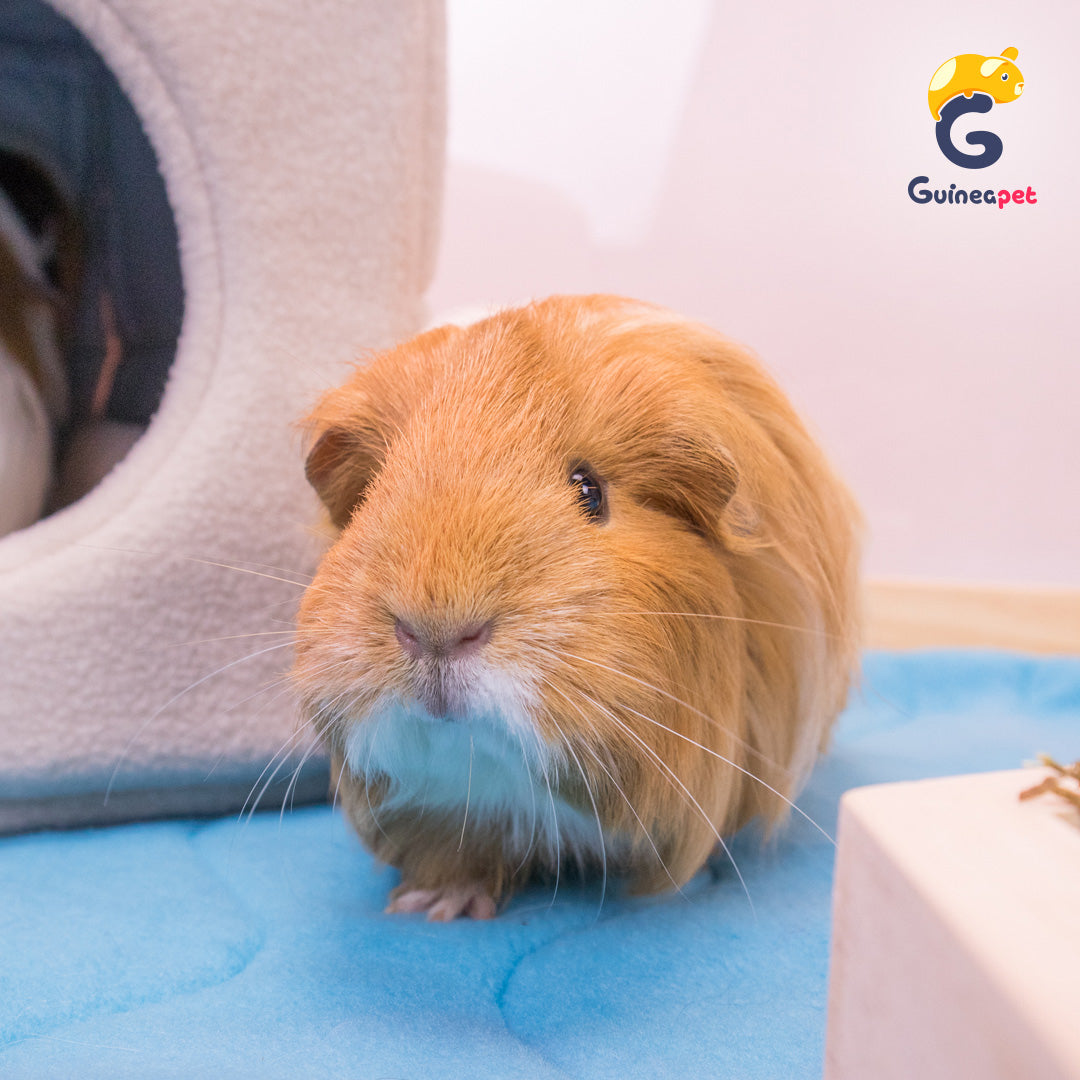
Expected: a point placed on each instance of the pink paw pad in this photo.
(443, 905)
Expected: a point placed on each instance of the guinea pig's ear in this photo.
(699, 484)
(340, 465)
(351, 426)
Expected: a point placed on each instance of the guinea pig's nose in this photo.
(453, 643)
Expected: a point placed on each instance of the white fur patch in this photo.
(491, 766)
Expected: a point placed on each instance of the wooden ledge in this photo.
(927, 614)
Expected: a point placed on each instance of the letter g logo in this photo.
(972, 83)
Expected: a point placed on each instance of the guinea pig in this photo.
(32, 388)
(592, 601)
(972, 73)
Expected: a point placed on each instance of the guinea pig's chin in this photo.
(491, 702)
(399, 735)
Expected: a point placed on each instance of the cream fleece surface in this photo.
(301, 146)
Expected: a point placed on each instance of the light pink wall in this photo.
(748, 165)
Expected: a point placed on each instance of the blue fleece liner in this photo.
(240, 950)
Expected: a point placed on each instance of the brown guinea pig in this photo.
(593, 600)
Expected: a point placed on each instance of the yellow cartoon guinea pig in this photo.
(971, 73)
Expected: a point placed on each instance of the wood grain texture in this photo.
(926, 614)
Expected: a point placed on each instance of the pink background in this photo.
(748, 165)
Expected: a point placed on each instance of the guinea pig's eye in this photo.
(1004, 76)
(590, 495)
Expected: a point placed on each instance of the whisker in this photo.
(748, 747)
(468, 796)
(367, 773)
(176, 697)
(555, 829)
(337, 786)
(706, 749)
(283, 682)
(817, 632)
(618, 787)
(596, 811)
(206, 641)
(307, 724)
(704, 716)
(686, 791)
(746, 772)
(532, 791)
(290, 790)
(291, 631)
(283, 753)
(209, 562)
(648, 836)
(302, 731)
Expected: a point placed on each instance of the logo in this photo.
(972, 83)
(967, 84)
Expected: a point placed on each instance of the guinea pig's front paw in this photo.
(444, 904)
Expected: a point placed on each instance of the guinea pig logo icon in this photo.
(972, 83)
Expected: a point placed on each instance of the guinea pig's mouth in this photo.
(444, 692)
(441, 707)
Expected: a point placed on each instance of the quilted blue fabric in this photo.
(229, 949)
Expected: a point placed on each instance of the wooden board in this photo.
(925, 614)
(955, 950)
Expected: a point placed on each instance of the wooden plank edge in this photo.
(927, 614)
